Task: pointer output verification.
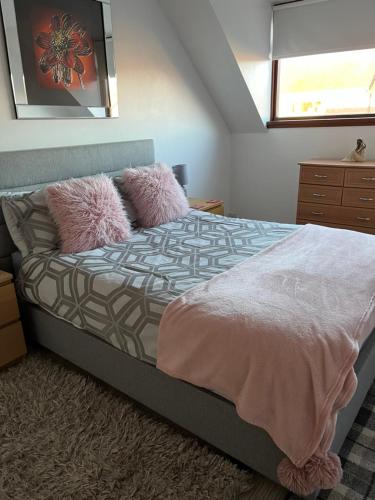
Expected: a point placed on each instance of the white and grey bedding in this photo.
(119, 292)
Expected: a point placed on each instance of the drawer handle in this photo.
(322, 176)
(367, 199)
(317, 213)
(367, 219)
(368, 179)
(318, 195)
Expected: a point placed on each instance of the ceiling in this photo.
(229, 45)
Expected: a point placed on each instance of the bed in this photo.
(126, 360)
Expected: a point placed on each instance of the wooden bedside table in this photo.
(12, 342)
(212, 206)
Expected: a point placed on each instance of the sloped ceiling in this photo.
(229, 44)
(246, 25)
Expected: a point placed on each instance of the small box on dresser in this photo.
(12, 342)
(337, 194)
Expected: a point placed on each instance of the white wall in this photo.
(203, 36)
(247, 27)
(265, 170)
(160, 97)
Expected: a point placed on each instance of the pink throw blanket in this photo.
(279, 335)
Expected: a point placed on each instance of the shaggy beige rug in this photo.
(64, 435)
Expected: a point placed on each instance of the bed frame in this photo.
(206, 415)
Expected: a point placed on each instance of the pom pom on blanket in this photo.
(318, 473)
(324, 473)
(293, 478)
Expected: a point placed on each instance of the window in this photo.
(324, 89)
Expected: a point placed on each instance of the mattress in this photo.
(119, 292)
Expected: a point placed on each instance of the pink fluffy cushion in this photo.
(88, 213)
(155, 194)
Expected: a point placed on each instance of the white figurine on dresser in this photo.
(358, 154)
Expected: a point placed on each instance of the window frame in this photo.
(318, 121)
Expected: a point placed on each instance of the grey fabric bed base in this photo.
(200, 412)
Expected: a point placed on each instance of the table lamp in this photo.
(180, 172)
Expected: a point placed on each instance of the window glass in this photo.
(341, 83)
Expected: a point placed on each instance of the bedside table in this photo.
(212, 206)
(12, 342)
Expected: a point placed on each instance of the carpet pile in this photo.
(65, 435)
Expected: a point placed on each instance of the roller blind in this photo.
(316, 27)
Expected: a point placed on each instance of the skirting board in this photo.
(200, 412)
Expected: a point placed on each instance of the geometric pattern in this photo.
(119, 292)
(29, 223)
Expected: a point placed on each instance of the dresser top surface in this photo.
(338, 163)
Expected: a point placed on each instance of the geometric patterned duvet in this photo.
(119, 292)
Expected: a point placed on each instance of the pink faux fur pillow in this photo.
(88, 213)
(155, 194)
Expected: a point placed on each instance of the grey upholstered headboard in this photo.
(28, 170)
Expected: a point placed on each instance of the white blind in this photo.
(325, 26)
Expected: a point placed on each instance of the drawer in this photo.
(320, 194)
(8, 305)
(368, 230)
(347, 216)
(217, 210)
(356, 197)
(322, 175)
(360, 177)
(12, 343)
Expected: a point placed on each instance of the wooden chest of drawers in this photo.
(12, 343)
(337, 194)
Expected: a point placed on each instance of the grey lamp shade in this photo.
(180, 172)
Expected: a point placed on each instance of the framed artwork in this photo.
(61, 58)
